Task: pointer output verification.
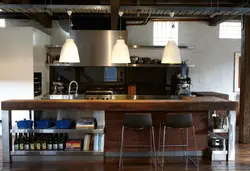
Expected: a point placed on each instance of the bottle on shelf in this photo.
(55, 142)
(26, 143)
(21, 142)
(32, 142)
(16, 143)
(44, 142)
(61, 142)
(38, 143)
(50, 143)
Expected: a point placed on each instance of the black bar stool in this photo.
(138, 121)
(181, 122)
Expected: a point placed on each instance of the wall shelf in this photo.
(133, 47)
(158, 47)
(125, 65)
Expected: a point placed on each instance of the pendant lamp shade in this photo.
(120, 52)
(171, 54)
(69, 52)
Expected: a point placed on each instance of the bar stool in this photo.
(181, 122)
(138, 121)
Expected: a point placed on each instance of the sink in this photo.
(63, 97)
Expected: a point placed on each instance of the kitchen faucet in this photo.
(76, 87)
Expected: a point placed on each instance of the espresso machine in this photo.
(180, 82)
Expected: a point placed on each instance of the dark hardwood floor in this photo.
(173, 164)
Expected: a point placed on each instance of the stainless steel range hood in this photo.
(95, 46)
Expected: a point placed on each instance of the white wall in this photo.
(22, 52)
(213, 57)
(40, 39)
(16, 66)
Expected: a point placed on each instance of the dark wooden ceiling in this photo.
(135, 10)
(228, 3)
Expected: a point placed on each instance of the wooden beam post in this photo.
(245, 82)
(115, 5)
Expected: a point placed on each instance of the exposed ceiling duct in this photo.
(137, 13)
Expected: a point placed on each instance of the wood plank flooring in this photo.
(242, 163)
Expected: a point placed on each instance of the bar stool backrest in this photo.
(137, 120)
(179, 120)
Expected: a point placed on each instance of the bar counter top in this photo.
(184, 104)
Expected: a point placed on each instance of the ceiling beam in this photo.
(220, 19)
(115, 5)
(41, 18)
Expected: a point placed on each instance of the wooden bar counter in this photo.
(185, 104)
(114, 111)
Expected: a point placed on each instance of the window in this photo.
(163, 32)
(230, 30)
(2, 22)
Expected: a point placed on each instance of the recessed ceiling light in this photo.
(1, 10)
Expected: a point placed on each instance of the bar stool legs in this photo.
(152, 146)
(121, 147)
(184, 145)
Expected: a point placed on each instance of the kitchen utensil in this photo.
(24, 124)
(63, 124)
(218, 121)
(134, 59)
(155, 61)
(216, 140)
(43, 124)
(146, 60)
(140, 60)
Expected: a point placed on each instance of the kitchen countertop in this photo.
(185, 104)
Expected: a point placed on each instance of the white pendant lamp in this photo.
(171, 53)
(120, 52)
(69, 52)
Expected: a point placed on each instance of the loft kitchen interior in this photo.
(125, 84)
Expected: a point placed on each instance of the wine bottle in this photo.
(55, 143)
(27, 143)
(16, 143)
(44, 143)
(50, 143)
(61, 142)
(21, 142)
(32, 142)
(38, 143)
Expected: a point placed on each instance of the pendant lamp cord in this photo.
(120, 26)
(69, 13)
(172, 25)
(69, 28)
(120, 14)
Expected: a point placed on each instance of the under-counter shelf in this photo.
(52, 131)
(219, 130)
(57, 153)
(216, 150)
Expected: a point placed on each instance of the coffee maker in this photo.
(180, 82)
